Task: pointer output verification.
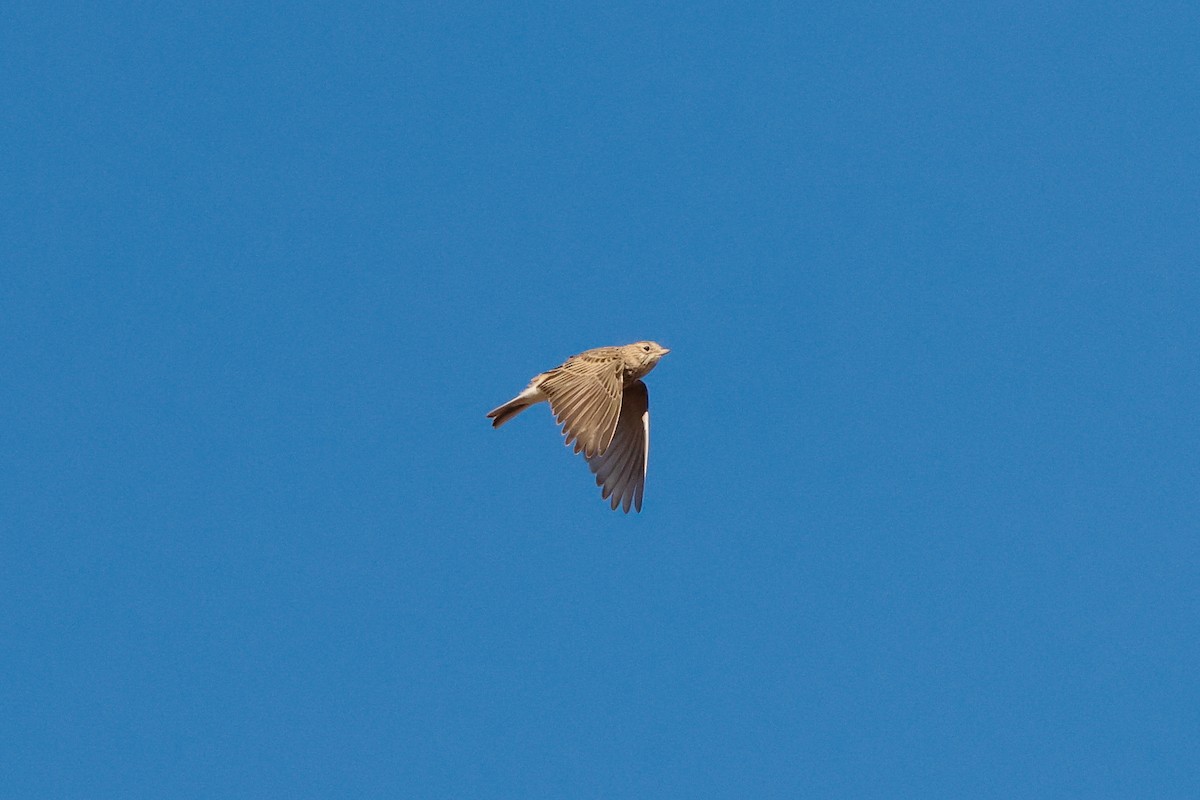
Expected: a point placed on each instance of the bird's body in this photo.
(603, 406)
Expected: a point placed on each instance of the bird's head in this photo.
(645, 354)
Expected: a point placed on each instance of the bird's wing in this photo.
(585, 396)
(621, 469)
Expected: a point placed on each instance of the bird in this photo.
(604, 408)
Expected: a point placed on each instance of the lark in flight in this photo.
(604, 408)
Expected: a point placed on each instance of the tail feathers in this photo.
(504, 413)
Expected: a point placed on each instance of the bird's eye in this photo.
(646, 347)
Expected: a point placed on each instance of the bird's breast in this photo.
(634, 373)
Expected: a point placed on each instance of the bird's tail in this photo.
(504, 413)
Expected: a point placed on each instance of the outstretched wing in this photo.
(585, 396)
(621, 469)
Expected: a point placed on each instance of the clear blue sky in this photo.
(922, 515)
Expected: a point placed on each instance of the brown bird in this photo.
(604, 409)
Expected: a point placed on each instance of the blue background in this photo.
(922, 511)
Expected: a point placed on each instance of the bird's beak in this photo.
(665, 350)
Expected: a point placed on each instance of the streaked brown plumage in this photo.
(604, 409)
